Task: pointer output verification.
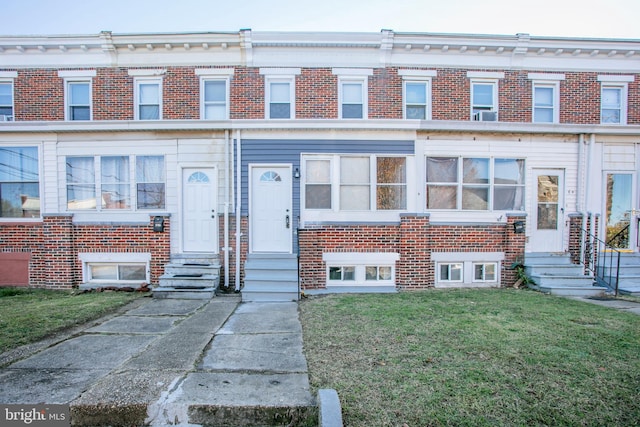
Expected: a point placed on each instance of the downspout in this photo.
(579, 184)
(592, 141)
(238, 206)
(227, 179)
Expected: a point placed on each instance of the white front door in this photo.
(271, 214)
(199, 219)
(548, 211)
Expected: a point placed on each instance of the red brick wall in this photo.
(414, 239)
(55, 243)
(247, 94)
(316, 94)
(39, 95)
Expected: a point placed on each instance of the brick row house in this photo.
(332, 161)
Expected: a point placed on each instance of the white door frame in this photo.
(543, 240)
(289, 207)
(214, 204)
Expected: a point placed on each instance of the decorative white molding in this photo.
(226, 72)
(417, 74)
(76, 73)
(546, 76)
(615, 79)
(352, 71)
(144, 72)
(280, 71)
(485, 75)
(8, 74)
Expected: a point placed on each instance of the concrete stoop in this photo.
(555, 274)
(189, 276)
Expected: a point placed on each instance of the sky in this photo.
(559, 18)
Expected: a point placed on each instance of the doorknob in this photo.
(287, 221)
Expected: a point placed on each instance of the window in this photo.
(364, 183)
(318, 184)
(150, 186)
(214, 99)
(6, 101)
(611, 105)
(78, 97)
(116, 184)
(352, 99)
(484, 272)
(475, 183)
(613, 98)
(102, 272)
(483, 100)
(544, 103)
(415, 100)
(148, 103)
(360, 268)
(450, 272)
(19, 182)
(280, 100)
(110, 176)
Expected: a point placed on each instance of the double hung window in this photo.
(484, 95)
(148, 99)
(280, 99)
(19, 182)
(353, 92)
(546, 97)
(6, 100)
(214, 92)
(78, 100)
(481, 184)
(613, 98)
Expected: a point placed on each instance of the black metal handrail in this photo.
(602, 260)
(621, 237)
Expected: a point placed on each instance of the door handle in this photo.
(287, 221)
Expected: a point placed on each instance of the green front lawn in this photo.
(474, 358)
(27, 315)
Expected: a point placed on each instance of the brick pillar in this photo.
(160, 247)
(414, 269)
(312, 268)
(244, 250)
(59, 251)
(576, 236)
(514, 247)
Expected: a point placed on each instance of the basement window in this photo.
(115, 267)
(354, 269)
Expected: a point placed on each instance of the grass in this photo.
(474, 358)
(27, 315)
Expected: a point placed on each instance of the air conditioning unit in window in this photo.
(4, 118)
(485, 116)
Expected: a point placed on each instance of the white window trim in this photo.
(136, 104)
(215, 74)
(10, 81)
(417, 79)
(468, 260)
(624, 94)
(292, 96)
(88, 258)
(364, 82)
(494, 82)
(133, 184)
(67, 96)
(555, 85)
(372, 214)
(475, 280)
(439, 278)
(360, 260)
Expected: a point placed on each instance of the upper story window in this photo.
(214, 92)
(417, 93)
(353, 92)
(147, 93)
(19, 182)
(77, 93)
(481, 184)
(546, 97)
(148, 99)
(111, 178)
(356, 183)
(613, 99)
(6, 95)
(280, 92)
(484, 95)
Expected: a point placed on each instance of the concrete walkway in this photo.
(616, 304)
(171, 362)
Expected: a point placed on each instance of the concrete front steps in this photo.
(629, 277)
(270, 277)
(189, 276)
(554, 273)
